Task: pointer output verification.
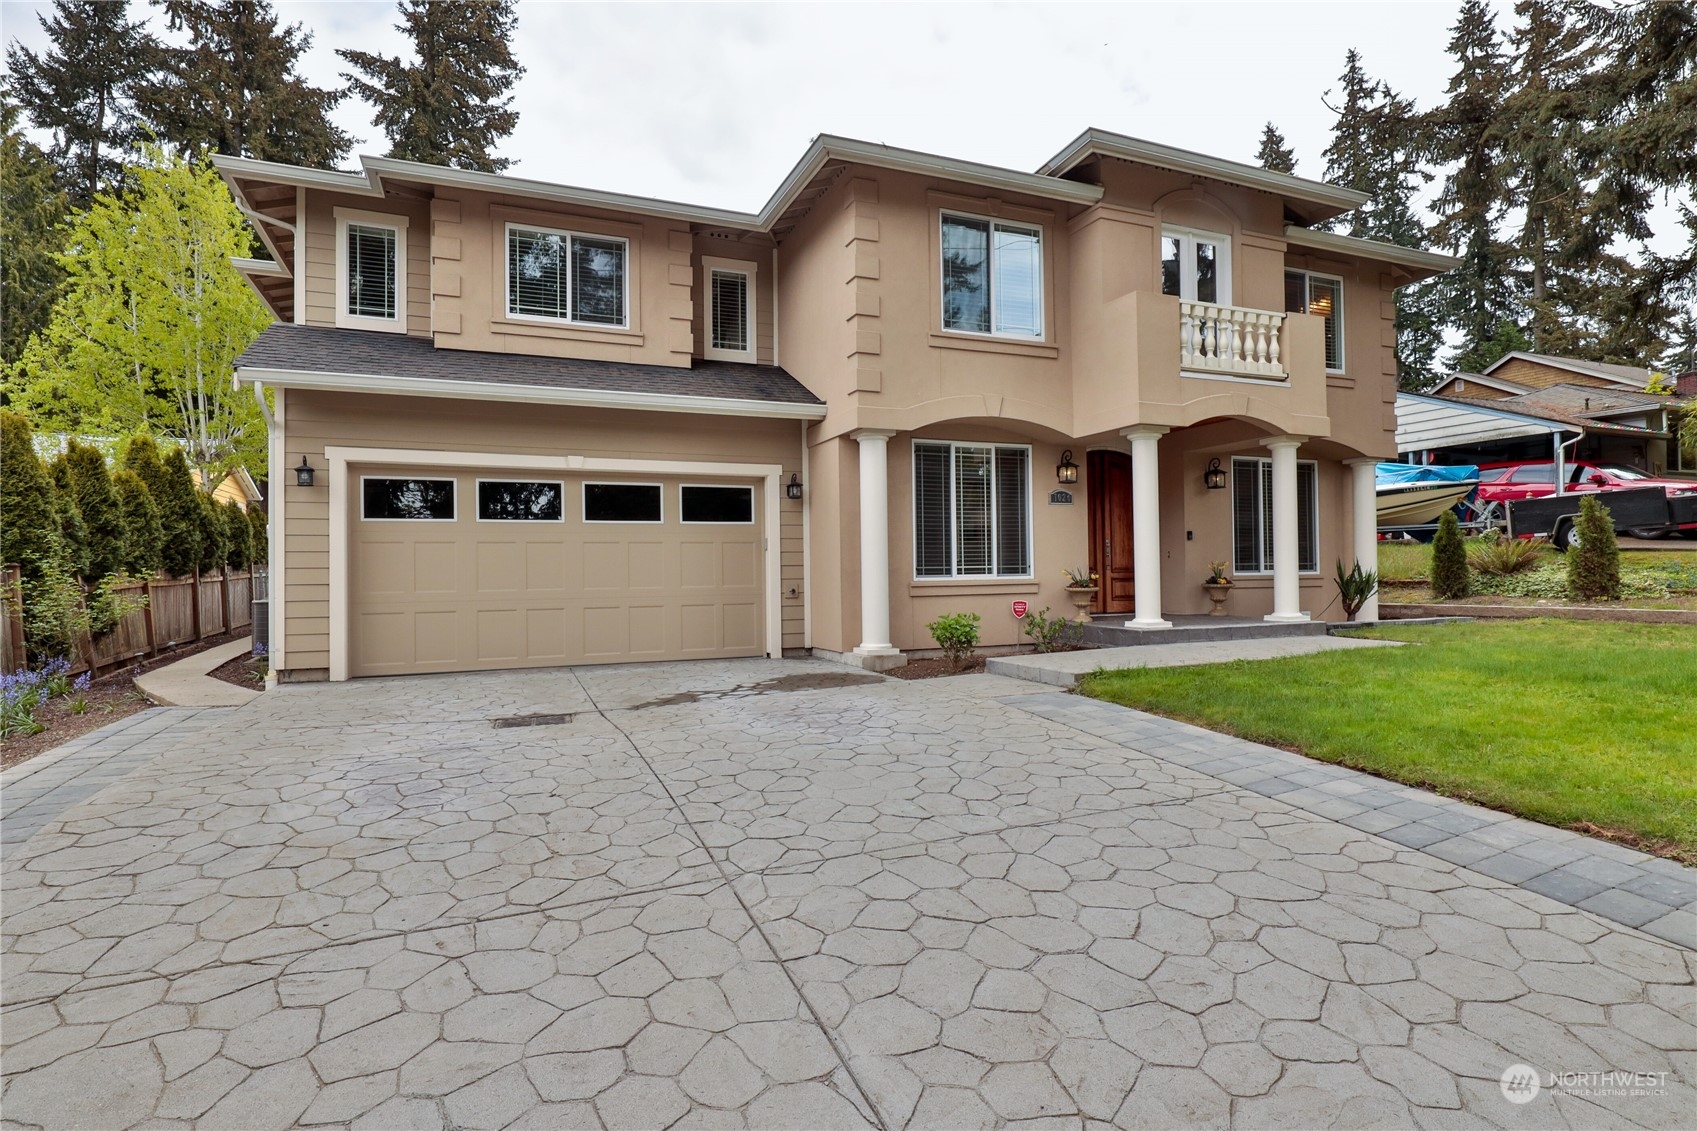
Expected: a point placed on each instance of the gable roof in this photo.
(1630, 375)
(1480, 379)
(1421, 264)
(319, 357)
(1427, 420)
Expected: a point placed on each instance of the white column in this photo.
(1287, 590)
(874, 542)
(1364, 495)
(1146, 525)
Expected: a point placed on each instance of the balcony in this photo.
(1232, 341)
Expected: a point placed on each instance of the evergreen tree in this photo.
(451, 104)
(1375, 149)
(234, 89)
(144, 533)
(1593, 566)
(73, 531)
(1274, 154)
(172, 489)
(91, 483)
(82, 89)
(1477, 297)
(238, 536)
(1507, 338)
(1450, 578)
(214, 537)
(32, 207)
(29, 536)
(259, 554)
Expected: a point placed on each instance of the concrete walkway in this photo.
(1062, 669)
(186, 684)
(780, 895)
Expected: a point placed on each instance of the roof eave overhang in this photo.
(522, 394)
(1416, 263)
(1566, 366)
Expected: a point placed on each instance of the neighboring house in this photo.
(237, 487)
(1518, 373)
(553, 425)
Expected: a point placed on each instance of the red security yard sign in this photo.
(1019, 610)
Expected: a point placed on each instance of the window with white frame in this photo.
(566, 276)
(1252, 515)
(371, 257)
(1196, 265)
(1307, 292)
(971, 510)
(992, 276)
(730, 310)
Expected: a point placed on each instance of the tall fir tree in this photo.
(73, 531)
(144, 530)
(91, 483)
(1375, 149)
(172, 490)
(233, 89)
(30, 536)
(82, 89)
(452, 103)
(1462, 134)
(32, 207)
(1274, 153)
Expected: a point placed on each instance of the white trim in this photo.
(1042, 334)
(583, 498)
(276, 503)
(776, 359)
(266, 267)
(1188, 239)
(1337, 315)
(526, 394)
(477, 502)
(749, 270)
(954, 524)
(454, 495)
(749, 487)
(1428, 261)
(568, 235)
(397, 324)
(339, 458)
(1267, 535)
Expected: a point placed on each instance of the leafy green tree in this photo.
(30, 535)
(1274, 153)
(81, 90)
(214, 535)
(144, 533)
(32, 206)
(73, 531)
(234, 88)
(1449, 560)
(452, 103)
(152, 320)
(91, 485)
(172, 490)
(1593, 566)
(259, 554)
(238, 535)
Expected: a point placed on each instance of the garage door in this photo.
(467, 571)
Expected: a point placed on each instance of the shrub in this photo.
(144, 534)
(178, 499)
(1496, 555)
(73, 532)
(1449, 560)
(260, 554)
(1355, 588)
(113, 600)
(956, 634)
(54, 612)
(30, 534)
(1050, 634)
(102, 514)
(1593, 567)
(238, 536)
(214, 535)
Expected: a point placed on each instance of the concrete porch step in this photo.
(1108, 630)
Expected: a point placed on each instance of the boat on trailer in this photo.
(1417, 494)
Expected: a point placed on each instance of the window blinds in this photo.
(1252, 516)
(371, 271)
(577, 278)
(730, 311)
(933, 529)
(971, 510)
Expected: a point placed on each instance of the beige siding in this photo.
(755, 251)
(321, 297)
(320, 420)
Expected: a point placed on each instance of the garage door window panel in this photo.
(712, 504)
(518, 500)
(622, 502)
(384, 499)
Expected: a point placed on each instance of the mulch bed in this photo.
(241, 672)
(110, 698)
(937, 666)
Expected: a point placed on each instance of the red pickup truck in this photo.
(1533, 479)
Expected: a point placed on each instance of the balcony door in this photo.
(1196, 265)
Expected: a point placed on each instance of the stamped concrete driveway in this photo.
(776, 895)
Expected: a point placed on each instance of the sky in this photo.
(713, 103)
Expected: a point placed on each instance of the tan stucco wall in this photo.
(316, 420)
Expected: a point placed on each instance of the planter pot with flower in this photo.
(1218, 587)
(1081, 590)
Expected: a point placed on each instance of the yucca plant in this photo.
(1355, 587)
(1497, 555)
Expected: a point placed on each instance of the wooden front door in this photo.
(1108, 494)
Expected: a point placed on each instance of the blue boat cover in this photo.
(1424, 473)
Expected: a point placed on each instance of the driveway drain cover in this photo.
(531, 721)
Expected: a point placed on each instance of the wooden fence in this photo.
(178, 611)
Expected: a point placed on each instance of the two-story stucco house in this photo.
(554, 425)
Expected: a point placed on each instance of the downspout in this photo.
(806, 543)
(273, 546)
(1561, 458)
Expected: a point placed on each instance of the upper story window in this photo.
(992, 277)
(1196, 265)
(730, 309)
(371, 257)
(566, 276)
(1321, 296)
(971, 510)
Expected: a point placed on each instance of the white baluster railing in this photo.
(1230, 339)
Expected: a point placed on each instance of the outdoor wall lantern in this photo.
(1066, 471)
(303, 474)
(1214, 479)
(793, 487)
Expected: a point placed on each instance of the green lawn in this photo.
(1412, 561)
(1569, 723)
